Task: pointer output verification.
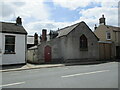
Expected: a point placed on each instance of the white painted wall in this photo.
(0, 48)
(20, 45)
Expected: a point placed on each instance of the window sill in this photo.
(108, 39)
(9, 53)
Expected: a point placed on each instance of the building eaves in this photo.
(113, 28)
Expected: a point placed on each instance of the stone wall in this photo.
(67, 48)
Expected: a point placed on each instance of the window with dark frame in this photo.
(83, 43)
(9, 44)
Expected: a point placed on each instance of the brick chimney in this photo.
(44, 35)
(102, 20)
(35, 38)
(18, 21)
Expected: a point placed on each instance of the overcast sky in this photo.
(54, 14)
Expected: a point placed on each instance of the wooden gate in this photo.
(105, 50)
(47, 54)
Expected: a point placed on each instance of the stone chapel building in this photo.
(70, 44)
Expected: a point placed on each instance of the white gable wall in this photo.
(20, 45)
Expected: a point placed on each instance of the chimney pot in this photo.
(102, 20)
(95, 27)
(19, 21)
(35, 38)
(103, 16)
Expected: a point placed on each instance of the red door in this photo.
(47, 54)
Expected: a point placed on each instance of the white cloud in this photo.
(92, 15)
(72, 4)
(109, 4)
(31, 12)
(25, 9)
(38, 11)
(49, 25)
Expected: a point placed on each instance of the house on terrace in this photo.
(109, 37)
(13, 43)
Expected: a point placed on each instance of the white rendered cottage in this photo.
(13, 38)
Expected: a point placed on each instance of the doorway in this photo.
(47, 54)
(118, 52)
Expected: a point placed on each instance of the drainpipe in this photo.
(25, 49)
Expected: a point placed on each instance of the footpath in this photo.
(29, 66)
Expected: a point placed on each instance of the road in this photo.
(78, 76)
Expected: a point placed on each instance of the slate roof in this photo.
(66, 30)
(12, 28)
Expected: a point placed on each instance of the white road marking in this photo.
(85, 73)
(11, 84)
(100, 64)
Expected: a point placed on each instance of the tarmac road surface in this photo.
(78, 76)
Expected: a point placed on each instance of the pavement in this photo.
(28, 66)
(37, 66)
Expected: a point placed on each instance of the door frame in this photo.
(47, 53)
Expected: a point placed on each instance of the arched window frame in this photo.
(83, 43)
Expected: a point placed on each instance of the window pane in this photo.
(10, 40)
(9, 44)
(83, 42)
(108, 35)
(9, 48)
